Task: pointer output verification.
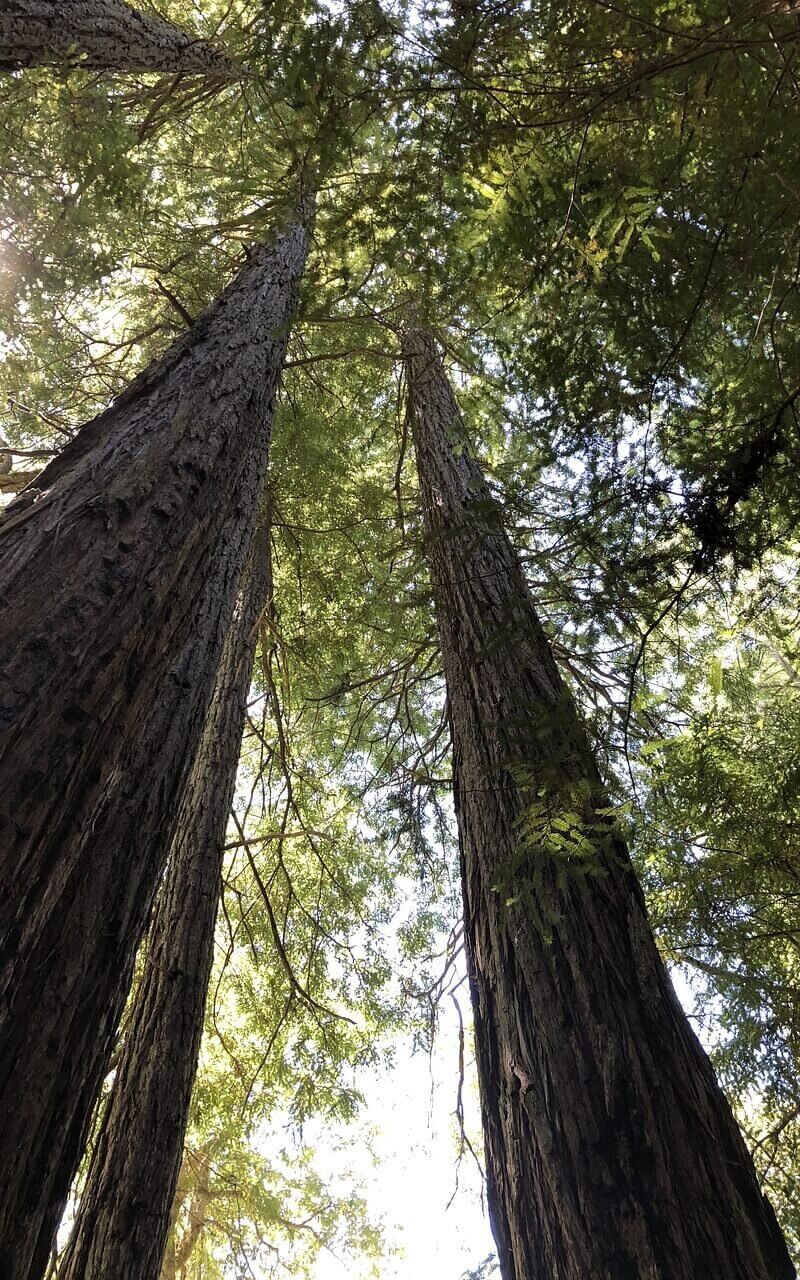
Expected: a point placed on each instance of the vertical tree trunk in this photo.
(124, 1213)
(102, 34)
(117, 587)
(611, 1151)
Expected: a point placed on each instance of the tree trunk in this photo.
(124, 1214)
(611, 1151)
(117, 587)
(100, 35)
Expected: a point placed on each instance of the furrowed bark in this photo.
(102, 35)
(611, 1151)
(124, 1214)
(117, 588)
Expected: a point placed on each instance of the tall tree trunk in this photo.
(117, 588)
(102, 34)
(611, 1151)
(124, 1213)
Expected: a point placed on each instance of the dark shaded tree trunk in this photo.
(124, 1214)
(611, 1151)
(102, 35)
(117, 588)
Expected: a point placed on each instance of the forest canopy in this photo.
(591, 209)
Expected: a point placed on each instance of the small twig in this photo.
(185, 316)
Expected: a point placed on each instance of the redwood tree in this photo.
(611, 1152)
(118, 579)
(102, 34)
(124, 1214)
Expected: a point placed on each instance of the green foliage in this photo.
(564, 838)
(487, 1268)
(721, 859)
(597, 211)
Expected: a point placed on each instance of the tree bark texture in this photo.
(611, 1151)
(118, 579)
(124, 1214)
(102, 35)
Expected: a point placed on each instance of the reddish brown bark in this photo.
(102, 35)
(124, 1214)
(611, 1151)
(117, 587)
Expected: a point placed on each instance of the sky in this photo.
(430, 1203)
